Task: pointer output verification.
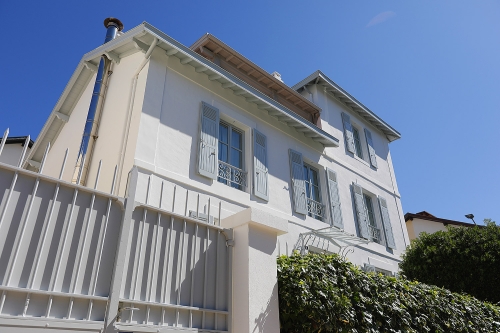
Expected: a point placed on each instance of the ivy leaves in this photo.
(323, 293)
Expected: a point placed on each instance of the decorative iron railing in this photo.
(315, 208)
(374, 233)
(232, 174)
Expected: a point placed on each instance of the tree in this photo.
(459, 259)
(489, 221)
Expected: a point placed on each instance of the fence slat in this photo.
(60, 249)
(4, 138)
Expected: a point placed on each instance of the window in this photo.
(357, 142)
(370, 213)
(314, 205)
(375, 269)
(368, 225)
(353, 140)
(305, 186)
(231, 156)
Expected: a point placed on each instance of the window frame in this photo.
(242, 132)
(357, 142)
(373, 216)
(309, 190)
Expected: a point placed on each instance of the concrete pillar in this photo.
(255, 285)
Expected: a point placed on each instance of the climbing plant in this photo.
(324, 293)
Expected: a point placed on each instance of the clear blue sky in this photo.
(431, 69)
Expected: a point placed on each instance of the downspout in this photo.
(89, 136)
(135, 78)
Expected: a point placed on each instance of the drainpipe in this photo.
(123, 148)
(89, 137)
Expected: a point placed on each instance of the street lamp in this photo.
(471, 216)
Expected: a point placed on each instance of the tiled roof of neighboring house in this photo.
(17, 139)
(429, 217)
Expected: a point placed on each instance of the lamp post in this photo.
(471, 216)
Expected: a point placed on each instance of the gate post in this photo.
(121, 251)
(255, 285)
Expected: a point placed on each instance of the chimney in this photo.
(113, 25)
(277, 76)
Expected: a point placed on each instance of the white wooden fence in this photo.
(75, 258)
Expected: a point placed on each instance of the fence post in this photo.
(255, 283)
(121, 251)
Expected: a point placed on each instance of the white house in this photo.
(426, 222)
(13, 149)
(213, 141)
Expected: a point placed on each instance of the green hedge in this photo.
(323, 293)
(459, 259)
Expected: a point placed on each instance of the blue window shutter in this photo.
(361, 211)
(209, 141)
(348, 135)
(333, 193)
(389, 236)
(371, 148)
(260, 183)
(298, 182)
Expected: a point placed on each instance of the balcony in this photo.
(232, 176)
(374, 233)
(315, 209)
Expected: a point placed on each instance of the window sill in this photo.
(361, 160)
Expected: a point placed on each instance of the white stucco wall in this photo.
(111, 141)
(417, 226)
(70, 137)
(167, 146)
(12, 153)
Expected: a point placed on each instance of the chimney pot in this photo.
(277, 76)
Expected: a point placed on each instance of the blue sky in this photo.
(431, 69)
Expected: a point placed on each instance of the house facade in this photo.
(426, 222)
(204, 135)
(13, 149)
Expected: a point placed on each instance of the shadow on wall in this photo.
(261, 323)
(176, 262)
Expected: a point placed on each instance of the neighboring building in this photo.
(203, 132)
(426, 222)
(13, 149)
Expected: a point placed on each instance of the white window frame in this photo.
(377, 218)
(231, 127)
(308, 195)
(362, 142)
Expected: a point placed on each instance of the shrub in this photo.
(459, 259)
(324, 293)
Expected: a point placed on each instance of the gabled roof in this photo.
(226, 57)
(429, 217)
(139, 39)
(352, 103)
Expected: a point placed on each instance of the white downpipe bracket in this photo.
(123, 148)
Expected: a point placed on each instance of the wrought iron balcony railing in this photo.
(374, 233)
(232, 174)
(315, 208)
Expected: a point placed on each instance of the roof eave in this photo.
(89, 60)
(350, 102)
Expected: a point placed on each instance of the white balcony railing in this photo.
(315, 208)
(232, 174)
